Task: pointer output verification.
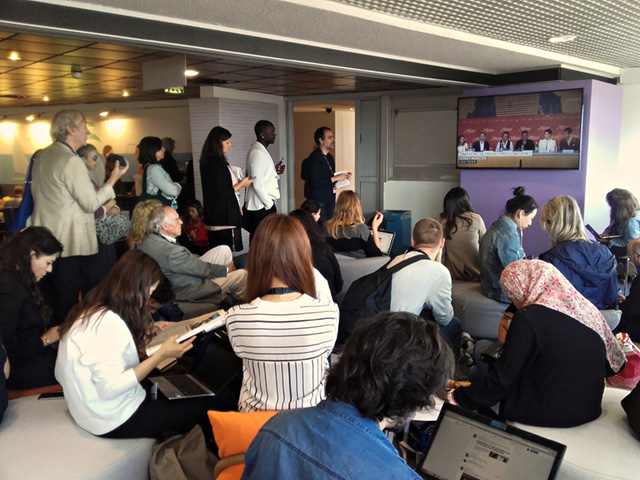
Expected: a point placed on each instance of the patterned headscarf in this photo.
(534, 282)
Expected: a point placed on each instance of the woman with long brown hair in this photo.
(286, 334)
(25, 258)
(99, 363)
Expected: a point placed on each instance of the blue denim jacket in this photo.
(330, 440)
(629, 230)
(499, 247)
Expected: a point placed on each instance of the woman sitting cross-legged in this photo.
(99, 367)
(286, 334)
(556, 356)
(346, 231)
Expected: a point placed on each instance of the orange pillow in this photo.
(234, 431)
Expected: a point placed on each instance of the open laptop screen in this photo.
(467, 446)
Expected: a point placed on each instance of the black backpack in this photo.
(369, 295)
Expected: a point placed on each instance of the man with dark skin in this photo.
(264, 191)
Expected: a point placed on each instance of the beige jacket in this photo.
(64, 199)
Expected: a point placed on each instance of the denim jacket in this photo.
(499, 247)
(330, 440)
(629, 230)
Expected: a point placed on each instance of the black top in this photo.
(316, 172)
(220, 203)
(328, 266)
(630, 321)
(22, 326)
(550, 374)
(171, 167)
(4, 398)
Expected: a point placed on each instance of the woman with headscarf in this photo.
(556, 356)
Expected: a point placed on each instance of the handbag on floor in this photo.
(629, 376)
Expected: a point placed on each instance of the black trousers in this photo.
(252, 219)
(76, 275)
(164, 418)
(231, 237)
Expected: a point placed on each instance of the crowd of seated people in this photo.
(285, 321)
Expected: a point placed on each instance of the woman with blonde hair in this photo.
(287, 332)
(589, 267)
(346, 231)
(139, 220)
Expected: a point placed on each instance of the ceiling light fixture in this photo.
(14, 56)
(45, 99)
(191, 73)
(125, 94)
(562, 39)
(104, 113)
(30, 118)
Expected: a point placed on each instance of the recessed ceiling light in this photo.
(104, 113)
(125, 94)
(191, 73)
(562, 39)
(30, 118)
(45, 99)
(14, 56)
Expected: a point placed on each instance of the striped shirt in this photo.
(285, 347)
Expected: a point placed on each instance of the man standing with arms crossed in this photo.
(318, 173)
(264, 191)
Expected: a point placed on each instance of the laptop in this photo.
(210, 378)
(386, 241)
(599, 237)
(468, 446)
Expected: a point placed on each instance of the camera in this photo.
(113, 158)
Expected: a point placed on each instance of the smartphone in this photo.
(50, 395)
(113, 158)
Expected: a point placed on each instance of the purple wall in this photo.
(490, 189)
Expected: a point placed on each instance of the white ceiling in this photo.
(490, 36)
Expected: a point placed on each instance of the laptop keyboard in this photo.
(188, 386)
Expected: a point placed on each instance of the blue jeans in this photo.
(451, 332)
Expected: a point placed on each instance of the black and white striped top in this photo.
(285, 348)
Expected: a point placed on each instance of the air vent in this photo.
(12, 96)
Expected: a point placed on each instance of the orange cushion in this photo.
(13, 394)
(234, 431)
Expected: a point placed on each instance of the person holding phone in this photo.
(100, 369)
(264, 191)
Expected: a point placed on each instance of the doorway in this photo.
(339, 117)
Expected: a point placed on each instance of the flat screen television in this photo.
(538, 130)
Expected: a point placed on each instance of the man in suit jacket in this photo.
(524, 143)
(569, 142)
(481, 145)
(194, 279)
(64, 202)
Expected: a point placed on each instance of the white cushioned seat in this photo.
(480, 316)
(603, 449)
(40, 440)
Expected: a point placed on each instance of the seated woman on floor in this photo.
(502, 243)
(589, 267)
(25, 258)
(99, 366)
(389, 369)
(463, 229)
(625, 220)
(346, 231)
(323, 258)
(556, 356)
(286, 334)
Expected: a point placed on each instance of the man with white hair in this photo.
(64, 201)
(208, 278)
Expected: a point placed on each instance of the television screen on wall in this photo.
(541, 130)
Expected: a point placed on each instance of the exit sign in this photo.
(174, 90)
